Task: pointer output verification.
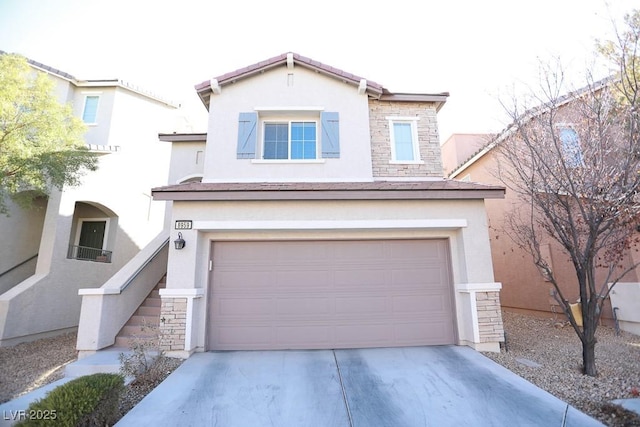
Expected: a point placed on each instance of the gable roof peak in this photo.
(290, 59)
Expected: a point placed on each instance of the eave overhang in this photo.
(376, 190)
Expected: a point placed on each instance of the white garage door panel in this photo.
(329, 294)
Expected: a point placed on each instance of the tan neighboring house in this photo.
(80, 237)
(474, 158)
(314, 214)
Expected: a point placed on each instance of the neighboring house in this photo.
(314, 214)
(475, 158)
(472, 158)
(79, 237)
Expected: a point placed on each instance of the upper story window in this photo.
(571, 150)
(90, 111)
(288, 135)
(404, 139)
(292, 140)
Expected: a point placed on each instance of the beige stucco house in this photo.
(81, 236)
(314, 214)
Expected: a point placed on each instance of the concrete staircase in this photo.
(147, 314)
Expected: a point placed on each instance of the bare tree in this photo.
(574, 161)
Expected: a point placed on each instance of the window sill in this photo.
(406, 162)
(288, 162)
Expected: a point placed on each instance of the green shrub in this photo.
(92, 400)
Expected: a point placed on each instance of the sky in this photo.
(478, 51)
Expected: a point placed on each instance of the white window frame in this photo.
(413, 121)
(84, 107)
(288, 121)
(106, 230)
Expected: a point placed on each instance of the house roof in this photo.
(98, 82)
(183, 137)
(528, 115)
(373, 89)
(371, 190)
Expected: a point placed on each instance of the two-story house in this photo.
(314, 214)
(477, 158)
(79, 237)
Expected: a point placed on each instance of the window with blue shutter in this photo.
(247, 135)
(330, 135)
(290, 140)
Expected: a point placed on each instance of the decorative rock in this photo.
(527, 362)
(559, 352)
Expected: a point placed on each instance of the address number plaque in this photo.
(183, 224)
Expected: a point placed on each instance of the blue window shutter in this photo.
(330, 135)
(247, 135)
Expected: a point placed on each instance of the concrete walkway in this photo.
(418, 386)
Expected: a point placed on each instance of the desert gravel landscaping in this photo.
(546, 352)
(27, 366)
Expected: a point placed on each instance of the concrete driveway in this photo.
(416, 386)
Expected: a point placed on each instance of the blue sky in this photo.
(476, 50)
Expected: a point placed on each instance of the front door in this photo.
(91, 239)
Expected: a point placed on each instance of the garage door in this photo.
(329, 294)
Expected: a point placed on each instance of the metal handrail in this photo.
(87, 253)
(19, 265)
(144, 264)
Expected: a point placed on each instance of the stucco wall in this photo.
(187, 161)
(286, 220)
(98, 132)
(21, 230)
(459, 148)
(276, 89)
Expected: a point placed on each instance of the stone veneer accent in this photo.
(489, 316)
(427, 137)
(173, 323)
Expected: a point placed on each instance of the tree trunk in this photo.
(589, 357)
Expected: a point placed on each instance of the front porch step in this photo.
(148, 314)
(103, 361)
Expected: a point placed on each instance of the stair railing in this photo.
(105, 310)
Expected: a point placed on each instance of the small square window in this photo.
(90, 111)
(290, 140)
(404, 139)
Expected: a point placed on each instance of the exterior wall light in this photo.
(179, 242)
